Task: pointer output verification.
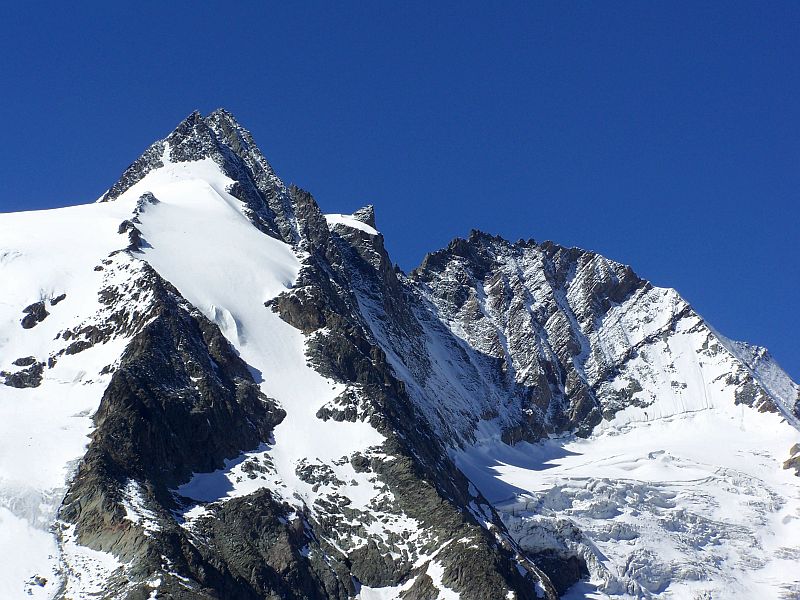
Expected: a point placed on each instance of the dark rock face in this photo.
(793, 462)
(150, 160)
(25, 378)
(34, 314)
(531, 308)
(182, 401)
(366, 215)
(25, 361)
(563, 571)
(484, 334)
(348, 270)
(251, 536)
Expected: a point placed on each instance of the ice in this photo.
(688, 504)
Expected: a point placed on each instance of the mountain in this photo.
(215, 390)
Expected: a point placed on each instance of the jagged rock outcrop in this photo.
(277, 411)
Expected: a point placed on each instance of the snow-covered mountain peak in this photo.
(210, 388)
(219, 138)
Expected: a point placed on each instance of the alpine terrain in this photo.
(210, 389)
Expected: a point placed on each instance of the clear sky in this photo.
(665, 135)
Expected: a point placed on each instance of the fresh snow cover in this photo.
(43, 430)
(89, 570)
(135, 509)
(199, 239)
(679, 506)
(350, 221)
(680, 494)
(436, 571)
(27, 551)
(384, 593)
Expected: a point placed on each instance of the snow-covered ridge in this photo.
(188, 243)
(684, 470)
(673, 489)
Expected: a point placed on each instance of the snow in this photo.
(135, 509)
(433, 568)
(436, 573)
(88, 569)
(784, 392)
(688, 504)
(43, 430)
(200, 229)
(189, 236)
(351, 222)
(27, 551)
(384, 593)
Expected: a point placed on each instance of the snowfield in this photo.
(678, 494)
(44, 429)
(693, 505)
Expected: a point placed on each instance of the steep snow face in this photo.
(198, 237)
(774, 380)
(351, 222)
(668, 361)
(58, 260)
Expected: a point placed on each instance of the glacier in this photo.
(509, 420)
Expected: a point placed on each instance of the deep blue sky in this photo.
(662, 134)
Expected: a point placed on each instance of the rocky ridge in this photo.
(194, 484)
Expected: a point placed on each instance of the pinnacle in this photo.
(366, 215)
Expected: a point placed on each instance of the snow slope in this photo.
(188, 236)
(349, 221)
(189, 233)
(681, 494)
(44, 429)
(677, 493)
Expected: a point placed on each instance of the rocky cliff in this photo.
(215, 390)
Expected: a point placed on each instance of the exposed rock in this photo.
(487, 341)
(25, 378)
(24, 361)
(34, 314)
(793, 462)
(366, 215)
